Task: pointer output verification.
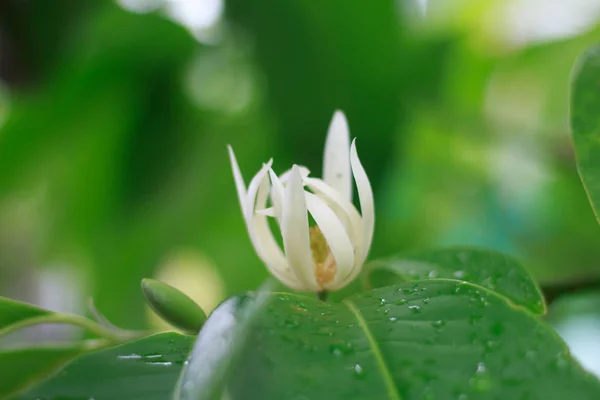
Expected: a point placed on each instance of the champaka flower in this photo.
(330, 254)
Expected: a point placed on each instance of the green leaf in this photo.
(219, 346)
(146, 369)
(435, 339)
(20, 368)
(12, 312)
(15, 315)
(173, 306)
(585, 122)
(495, 271)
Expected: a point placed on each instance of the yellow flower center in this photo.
(324, 262)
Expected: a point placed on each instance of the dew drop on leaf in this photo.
(439, 324)
(481, 381)
(415, 309)
(459, 274)
(359, 372)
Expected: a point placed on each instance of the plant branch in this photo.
(75, 320)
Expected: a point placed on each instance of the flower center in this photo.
(324, 262)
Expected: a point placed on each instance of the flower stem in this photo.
(322, 295)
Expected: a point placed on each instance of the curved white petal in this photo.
(304, 172)
(334, 232)
(336, 160)
(260, 234)
(333, 197)
(250, 199)
(294, 229)
(237, 177)
(276, 193)
(365, 195)
(269, 212)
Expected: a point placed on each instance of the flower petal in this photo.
(237, 177)
(294, 229)
(260, 233)
(304, 172)
(334, 232)
(365, 195)
(250, 200)
(336, 160)
(276, 194)
(269, 212)
(350, 217)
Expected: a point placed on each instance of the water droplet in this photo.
(439, 324)
(132, 356)
(481, 381)
(401, 302)
(382, 302)
(491, 345)
(459, 274)
(341, 348)
(393, 319)
(291, 323)
(561, 362)
(432, 274)
(475, 318)
(459, 289)
(426, 300)
(415, 309)
(530, 355)
(359, 372)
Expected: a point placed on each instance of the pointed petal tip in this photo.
(339, 114)
(339, 121)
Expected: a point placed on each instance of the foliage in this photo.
(113, 150)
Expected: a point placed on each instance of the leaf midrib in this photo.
(392, 390)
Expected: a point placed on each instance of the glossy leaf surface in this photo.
(13, 311)
(493, 270)
(585, 122)
(436, 339)
(20, 368)
(146, 369)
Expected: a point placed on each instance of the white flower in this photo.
(326, 256)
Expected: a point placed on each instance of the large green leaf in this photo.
(21, 368)
(492, 270)
(435, 339)
(145, 369)
(15, 315)
(12, 312)
(585, 122)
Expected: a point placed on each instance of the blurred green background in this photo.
(115, 116)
